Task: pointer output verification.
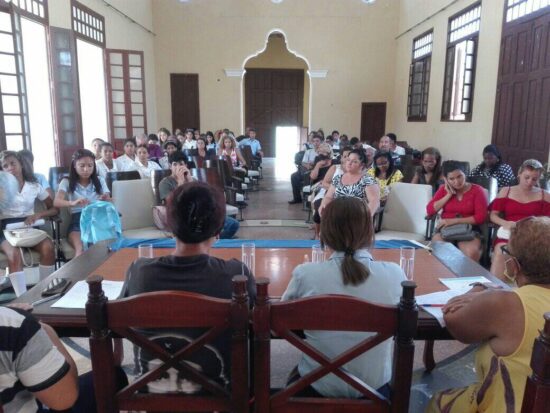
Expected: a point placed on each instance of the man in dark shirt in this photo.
(196, 214)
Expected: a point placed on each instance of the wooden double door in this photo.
(273, 97)
(521, 126)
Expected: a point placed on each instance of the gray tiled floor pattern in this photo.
(455, 360)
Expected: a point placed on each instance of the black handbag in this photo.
(458, 232)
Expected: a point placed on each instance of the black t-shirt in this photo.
(200, 274)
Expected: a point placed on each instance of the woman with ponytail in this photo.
(347, 231)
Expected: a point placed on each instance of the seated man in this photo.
(181, 175)
(196, 213)
(388, 142)
(254, 144)
(297, 178)
(34, 365)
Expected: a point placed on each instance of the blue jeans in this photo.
(230, 228)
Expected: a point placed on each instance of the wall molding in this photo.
(234, 72)
(320, 74)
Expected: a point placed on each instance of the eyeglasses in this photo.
(506, 251)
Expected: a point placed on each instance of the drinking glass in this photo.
(406, 261)
(249, 256)
(317, 253)
(145, 251)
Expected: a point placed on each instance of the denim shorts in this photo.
(74, 226)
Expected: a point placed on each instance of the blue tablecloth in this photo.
(260, 243)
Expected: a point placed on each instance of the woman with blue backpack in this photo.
(83, 187)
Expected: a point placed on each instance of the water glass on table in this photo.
(317, 253)
(145, 251)
(249, 256)
(406, 261)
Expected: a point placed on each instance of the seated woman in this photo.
(492, 165)
(21, 209)
(210, 141)
(430, 172)
(228, 147)
(106, 163)
(170, 146)
(348, 231)
(202, 153)
(143, 165)
(385, 173)
(460, 202)
(322, 163)
(127, 162)
(505, 322)
(196, 213)
(83, 187)
(354, 182)
(332, 170)
(514, 203)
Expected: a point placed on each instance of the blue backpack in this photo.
(99, 221)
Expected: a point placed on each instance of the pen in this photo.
(432, 305)
(45, 300)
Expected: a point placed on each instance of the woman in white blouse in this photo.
(21, 209)
(127, 162)
(143, 164)
(106, 163)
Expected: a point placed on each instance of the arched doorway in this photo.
(276, 95)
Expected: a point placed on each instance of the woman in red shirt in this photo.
(460, 202)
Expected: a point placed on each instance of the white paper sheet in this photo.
(462, 283)
(77, 296)
(440, 297)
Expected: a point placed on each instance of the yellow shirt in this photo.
(384, 184)
(501, 380)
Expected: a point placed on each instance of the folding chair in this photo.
(131, 317)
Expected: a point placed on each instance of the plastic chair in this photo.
(130, 318)
(333, 313)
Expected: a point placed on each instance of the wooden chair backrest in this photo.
(333, 313)
(158, 175)
(128, 317)
(120, 176)
(246, 152)
(537, 389)
(55, 175)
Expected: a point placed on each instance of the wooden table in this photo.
(274, 263)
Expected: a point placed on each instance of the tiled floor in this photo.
(455, 361)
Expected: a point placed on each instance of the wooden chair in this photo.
(334, 313)
(157, 176)
(120, 176)
(128, 317)
(537, 389)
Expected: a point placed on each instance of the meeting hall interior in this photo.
(275, 206)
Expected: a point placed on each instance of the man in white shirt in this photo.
(297, 178)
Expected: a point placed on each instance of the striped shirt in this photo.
(29, 362)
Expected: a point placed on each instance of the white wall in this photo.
(458, 140)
